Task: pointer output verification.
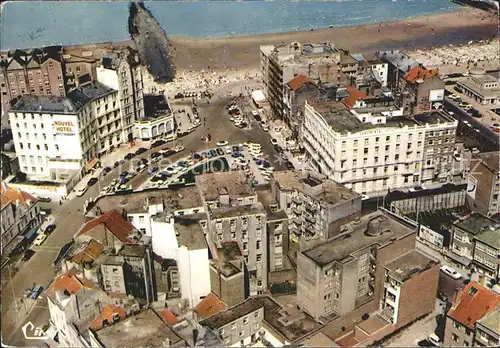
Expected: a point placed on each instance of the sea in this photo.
(25, 24)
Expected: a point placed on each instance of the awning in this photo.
(9, 248)
(31, 233)
(458, 258)
(90, 165)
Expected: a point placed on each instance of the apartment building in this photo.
(398, 65)
(463, 236)
(481, 87)
(486, 255)
(473, 303)
(315, 205)
(235, 215)
(20, 214)
(281, 63)
(238, 325)
(36, 72)
(484, 181)
(487, 330)
(372, 149)
(347, 271)
(419, 89)
(122, 71)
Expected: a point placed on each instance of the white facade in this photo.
(38, 137)
(381, 72)
(164, 241)
(161, 127)
(376, 159)
(194, 272)
(108, 77)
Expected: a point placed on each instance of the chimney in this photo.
(409, 67)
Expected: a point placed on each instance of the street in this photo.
(69, 215)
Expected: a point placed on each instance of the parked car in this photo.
(451, 272)
(37, 290)
(178, 148)
(129, 156)
(158, 143)
(213, 152)
(155, 154)
(92, 181)
(220, 151)
(28, 254)
(140, 151)
(106, 170)
(417, 188)
(49, 229)
(274, 142)
(82, 191)
(40, 239)
(168, 153)
(153, 170)
(222, 143)
(289, 165)
(45, 199)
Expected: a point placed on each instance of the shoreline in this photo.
(243, 52)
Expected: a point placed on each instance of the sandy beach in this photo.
(242, 52)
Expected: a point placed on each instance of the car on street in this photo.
(451, 272)
(228, 150)
(28, 254)
(171, 170)
(213, 152)
(495, 127)
(153, 170)
(129, 156)
(158, 143)
(179, 148)
(457, 157)
(155, 154)
(258, 118)
(37, 290)
(106, 170)
(274, 141)
(289, 165)
(168, 153)
(417, 188)
(155, 160)
(123, 174)
(92, 181)
(49, 229)
(142, 168)
(463, 104)
(140, 151)
(365, 197)
(454, 96)
(475, 150)
(45, 199)
(220, 151)
(124, 180)
(80, 192)
(222, 143)
(40, 239)
(183, 164)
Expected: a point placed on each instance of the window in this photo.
(242, 334)
(245, 246)
(457, 325)
(258, 244)
(233, 326)
(221, 331)
(365, 150)
(259, 257)
(245, 320)
(256, 314)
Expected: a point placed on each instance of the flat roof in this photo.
(314, 185)
(235, 183)
(136, 202)
(477, 89)
(190, 233)
(490, 160)
(297, 324)
(474, 223)
(409, 264)
(239, 210)
(490, 237)
(230, 251)
(232, 314)
(273, 212)
(375, 228)
(45, 103)
(341, 120)
(95, 90)
(490, 320)
(145, 329)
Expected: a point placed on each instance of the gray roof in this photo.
(409, 264)
(403, 62)
(95, 90)
(239, 210)
(475, 223)
(231, 314)
(46, 103)
(189, 233)
(376, 228)
(235, 183)
(490, 237)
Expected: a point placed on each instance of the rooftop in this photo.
(290, 323)
(141, 330)
(10, 195)
(232, 314)
(490, 237)
(108, 315)
(403, 62)
(189, 233)
(376, 228)
(235, 182)
(95, 90)
(338, 117)
(475, 223)
(316, 186)
(114, 222)
(490, 320)
(273, 212)
(239, 210)
(298, 81)
(209, 306)
(478, 89)
(226, 255)
(155, 106)
(206, 336)
(473, 303)
(67, 284)
(46, 103)
(174, 199)
(418, 74)
(490, 159)
(409, 264)
(86, 252)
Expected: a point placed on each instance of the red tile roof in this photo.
(69, 282)
(209, 306)
(473, 303)
(168, 317)
(354, 95)
(9, 195)
(108, 313)
(114, 222)
(418, 73)
(298, 81)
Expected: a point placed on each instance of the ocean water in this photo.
(38, 23)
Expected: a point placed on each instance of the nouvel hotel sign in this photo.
(63, 128)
